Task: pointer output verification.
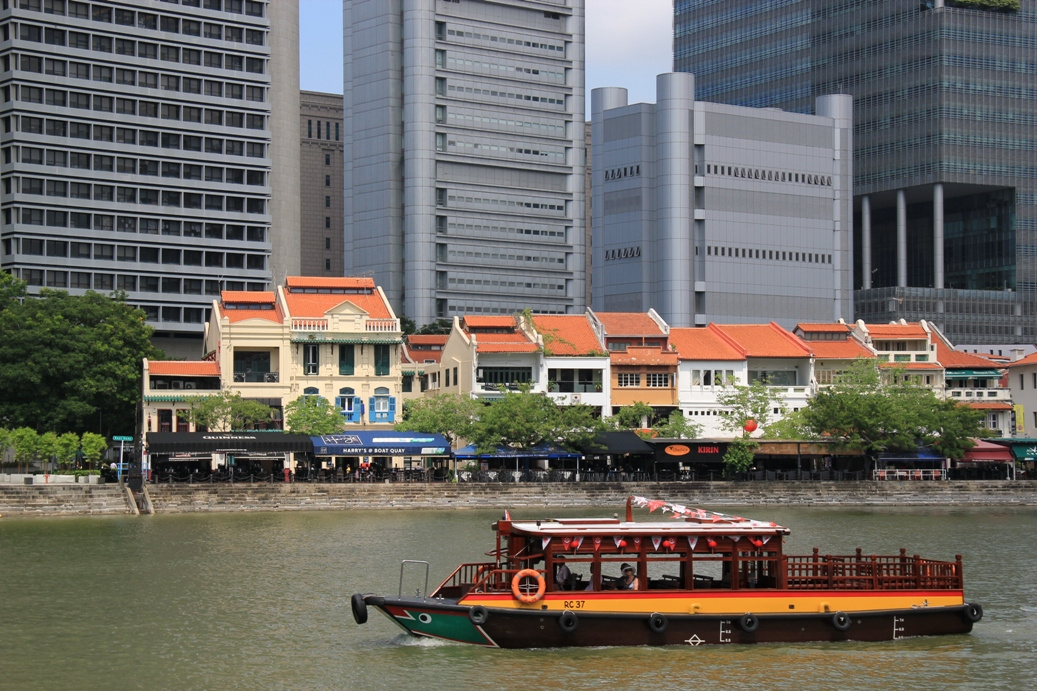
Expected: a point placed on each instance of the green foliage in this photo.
(522, 420)
(65, 449)
(93, 446)
(449, 414)
(754, 402)
(72, 363)
(226, 412)
(634, 416)
(439, 327)
(47, 446)
(12, 290)
(313, 415)
(677, 426)
(996, 5)
(25, 442)
(878, 411)
(740, 455)
(792, 426)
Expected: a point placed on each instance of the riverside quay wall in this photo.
(68, 500)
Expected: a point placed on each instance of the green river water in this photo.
(261, 601)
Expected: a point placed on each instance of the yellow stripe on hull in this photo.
(706, 602)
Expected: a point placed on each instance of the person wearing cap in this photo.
(628, 581)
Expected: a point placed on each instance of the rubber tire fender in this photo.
(841, 621)
(973, 612)
(359, 608)
(568, 621)
(749, 622)
(478, 615)
(657, 622)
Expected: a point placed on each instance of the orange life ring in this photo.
(528, 598)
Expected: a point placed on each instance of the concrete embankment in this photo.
(210, 498)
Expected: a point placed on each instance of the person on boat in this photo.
(563, 577)
(628, 581)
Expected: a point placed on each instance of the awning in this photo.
(227, 442)
(542, 451)
(689, 450)
(922, 456)
(987, 452)
(1023, 448)
(618, 444)
(971, 374)
(387, 443)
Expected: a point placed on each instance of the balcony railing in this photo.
(980, 394)
(382, 325)
(254, 377)
(322, 325)
(303, 324)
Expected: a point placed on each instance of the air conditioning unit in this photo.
(177, 384)
(189, 384)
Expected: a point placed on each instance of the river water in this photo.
(261, 600)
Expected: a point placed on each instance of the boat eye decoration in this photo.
(424, 618)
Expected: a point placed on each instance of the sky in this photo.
(629, 42)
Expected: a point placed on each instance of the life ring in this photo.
(528, 598)
(359, 608)
(841, 621)
(749, 623)
(657, 622)
(973, 613)
(568, 621)
(478, 615)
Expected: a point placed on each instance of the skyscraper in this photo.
(464, 154)
(136, 144)
(320, 163)
(945, 205)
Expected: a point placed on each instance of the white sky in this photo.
(629, 42)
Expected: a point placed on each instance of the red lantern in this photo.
(750, 426)
(712, 543)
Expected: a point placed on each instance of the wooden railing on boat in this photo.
(871, 572)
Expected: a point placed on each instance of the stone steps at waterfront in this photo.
(62, 499)
(242, 496)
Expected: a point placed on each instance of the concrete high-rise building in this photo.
(945, 206)
(320, 225)
(464, 154)
(714, 213)
(138, 141)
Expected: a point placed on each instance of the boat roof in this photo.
(682, 521)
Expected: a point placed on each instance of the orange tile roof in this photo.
(910, 330)
(475, 322)
(924, 366)
(850, 349)
(643, 355)
(764, 340)
(319, 304)
(703, 344)
(1030, 359)
(247, 296)
(569, 334)
(329, 282)
(832, 327)
(184, 368)
(951, 358)
(990, 405)
(628, 324)
(504, 343)
(414, 340)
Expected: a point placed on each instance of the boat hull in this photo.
(511, 628)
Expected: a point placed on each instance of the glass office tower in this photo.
(945, 189)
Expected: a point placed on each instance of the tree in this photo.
(66, 448)
(72, 363)
(93, 446)
(24, 440)
(754, 402)
(12, 290)
(677, 426)
(523, 420)
(436, 328)
(5, 443)
(449, 414)
(740, 455)
(225, 412)
(634, 416)
(313, 415)
(47, 448)
(792, 426)
(877, 410)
